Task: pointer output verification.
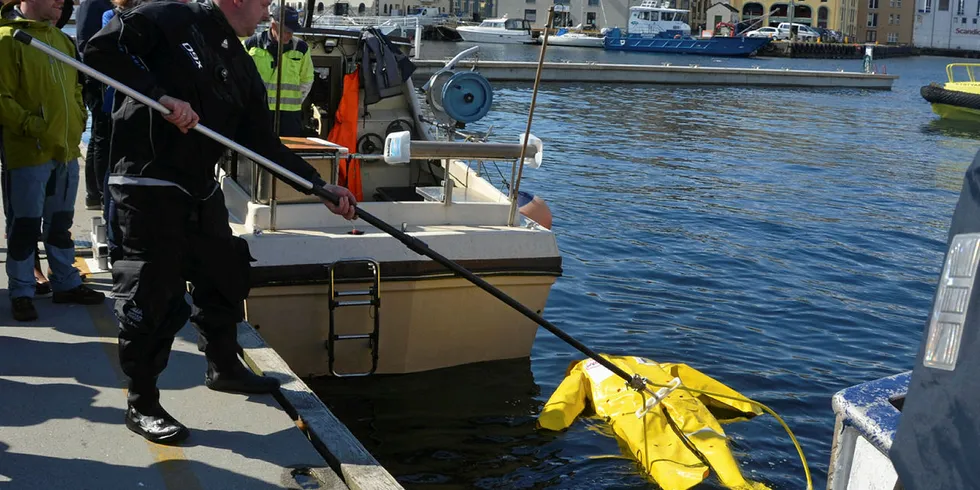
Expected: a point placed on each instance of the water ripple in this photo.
(785, 242)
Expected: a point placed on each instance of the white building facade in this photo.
(947, 24)
(568, 13)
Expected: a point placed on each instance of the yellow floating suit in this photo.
(651, 435)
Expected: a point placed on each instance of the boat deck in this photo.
(62, 401)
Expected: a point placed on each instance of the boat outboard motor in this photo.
(938, 438)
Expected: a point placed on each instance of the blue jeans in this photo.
(41, 197)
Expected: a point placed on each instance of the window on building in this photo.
(528, 1)
(871, 37)
(872, 20)
(943, 5)
(593, 3)
(898, 19)
(978, 12)
(891, 19)
(928, 6)
(898, 3)
(531, 15)
(892, 37)
(960, 7)
(872, 4)
(590, 18)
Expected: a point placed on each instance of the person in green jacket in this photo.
(296, 66)
(42, 118)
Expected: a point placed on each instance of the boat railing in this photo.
(408, 23)
(970, 71)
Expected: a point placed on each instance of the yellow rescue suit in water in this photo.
(651, 438)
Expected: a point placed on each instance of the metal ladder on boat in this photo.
(373, 299)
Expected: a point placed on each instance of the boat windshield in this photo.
(492, 23)
(517, 25)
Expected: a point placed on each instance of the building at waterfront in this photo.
(589, 13)
(885, 21)
(947, 24)
(369, 8)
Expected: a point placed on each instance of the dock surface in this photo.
(63, 399)
(524, 71)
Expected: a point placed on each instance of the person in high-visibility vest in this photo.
(297, 68)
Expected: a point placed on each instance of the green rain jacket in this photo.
(41, 109)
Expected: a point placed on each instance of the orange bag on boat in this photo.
(344, 133)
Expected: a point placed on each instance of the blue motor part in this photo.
(467, 97)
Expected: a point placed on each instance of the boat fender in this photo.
(935, 94)
(534, 208)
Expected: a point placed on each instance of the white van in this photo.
(803, 32)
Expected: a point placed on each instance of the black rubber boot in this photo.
(155, 424)
(231, 376)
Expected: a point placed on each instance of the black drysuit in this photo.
(170, 222)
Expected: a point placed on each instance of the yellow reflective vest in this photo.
(651, 436)
(297, 69)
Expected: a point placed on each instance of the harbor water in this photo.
(784, 242)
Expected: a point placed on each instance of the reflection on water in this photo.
(784, 242)
(455, 426)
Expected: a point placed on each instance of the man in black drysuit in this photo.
(170, 222)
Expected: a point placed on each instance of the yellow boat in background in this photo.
(956, 99)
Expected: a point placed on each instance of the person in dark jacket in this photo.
(67, 9)
(88, 22)
(170, 221)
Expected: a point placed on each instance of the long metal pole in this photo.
(516, 182)
(272, 200)
(636, 382)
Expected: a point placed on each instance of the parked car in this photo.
(803, 32)
(767, 32)
(828, 35)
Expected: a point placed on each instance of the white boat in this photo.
(866, 420)
(919, 429)
(332, 301)
(499, 31)
(577, 39)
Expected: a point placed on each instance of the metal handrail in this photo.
(969, 71)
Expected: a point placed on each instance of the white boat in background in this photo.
(564, 37)
(499, 31)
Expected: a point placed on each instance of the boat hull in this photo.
(715, 46)
(476, 36)
(426, 324)
(866, 422)
(956, 101)
(576, 41)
